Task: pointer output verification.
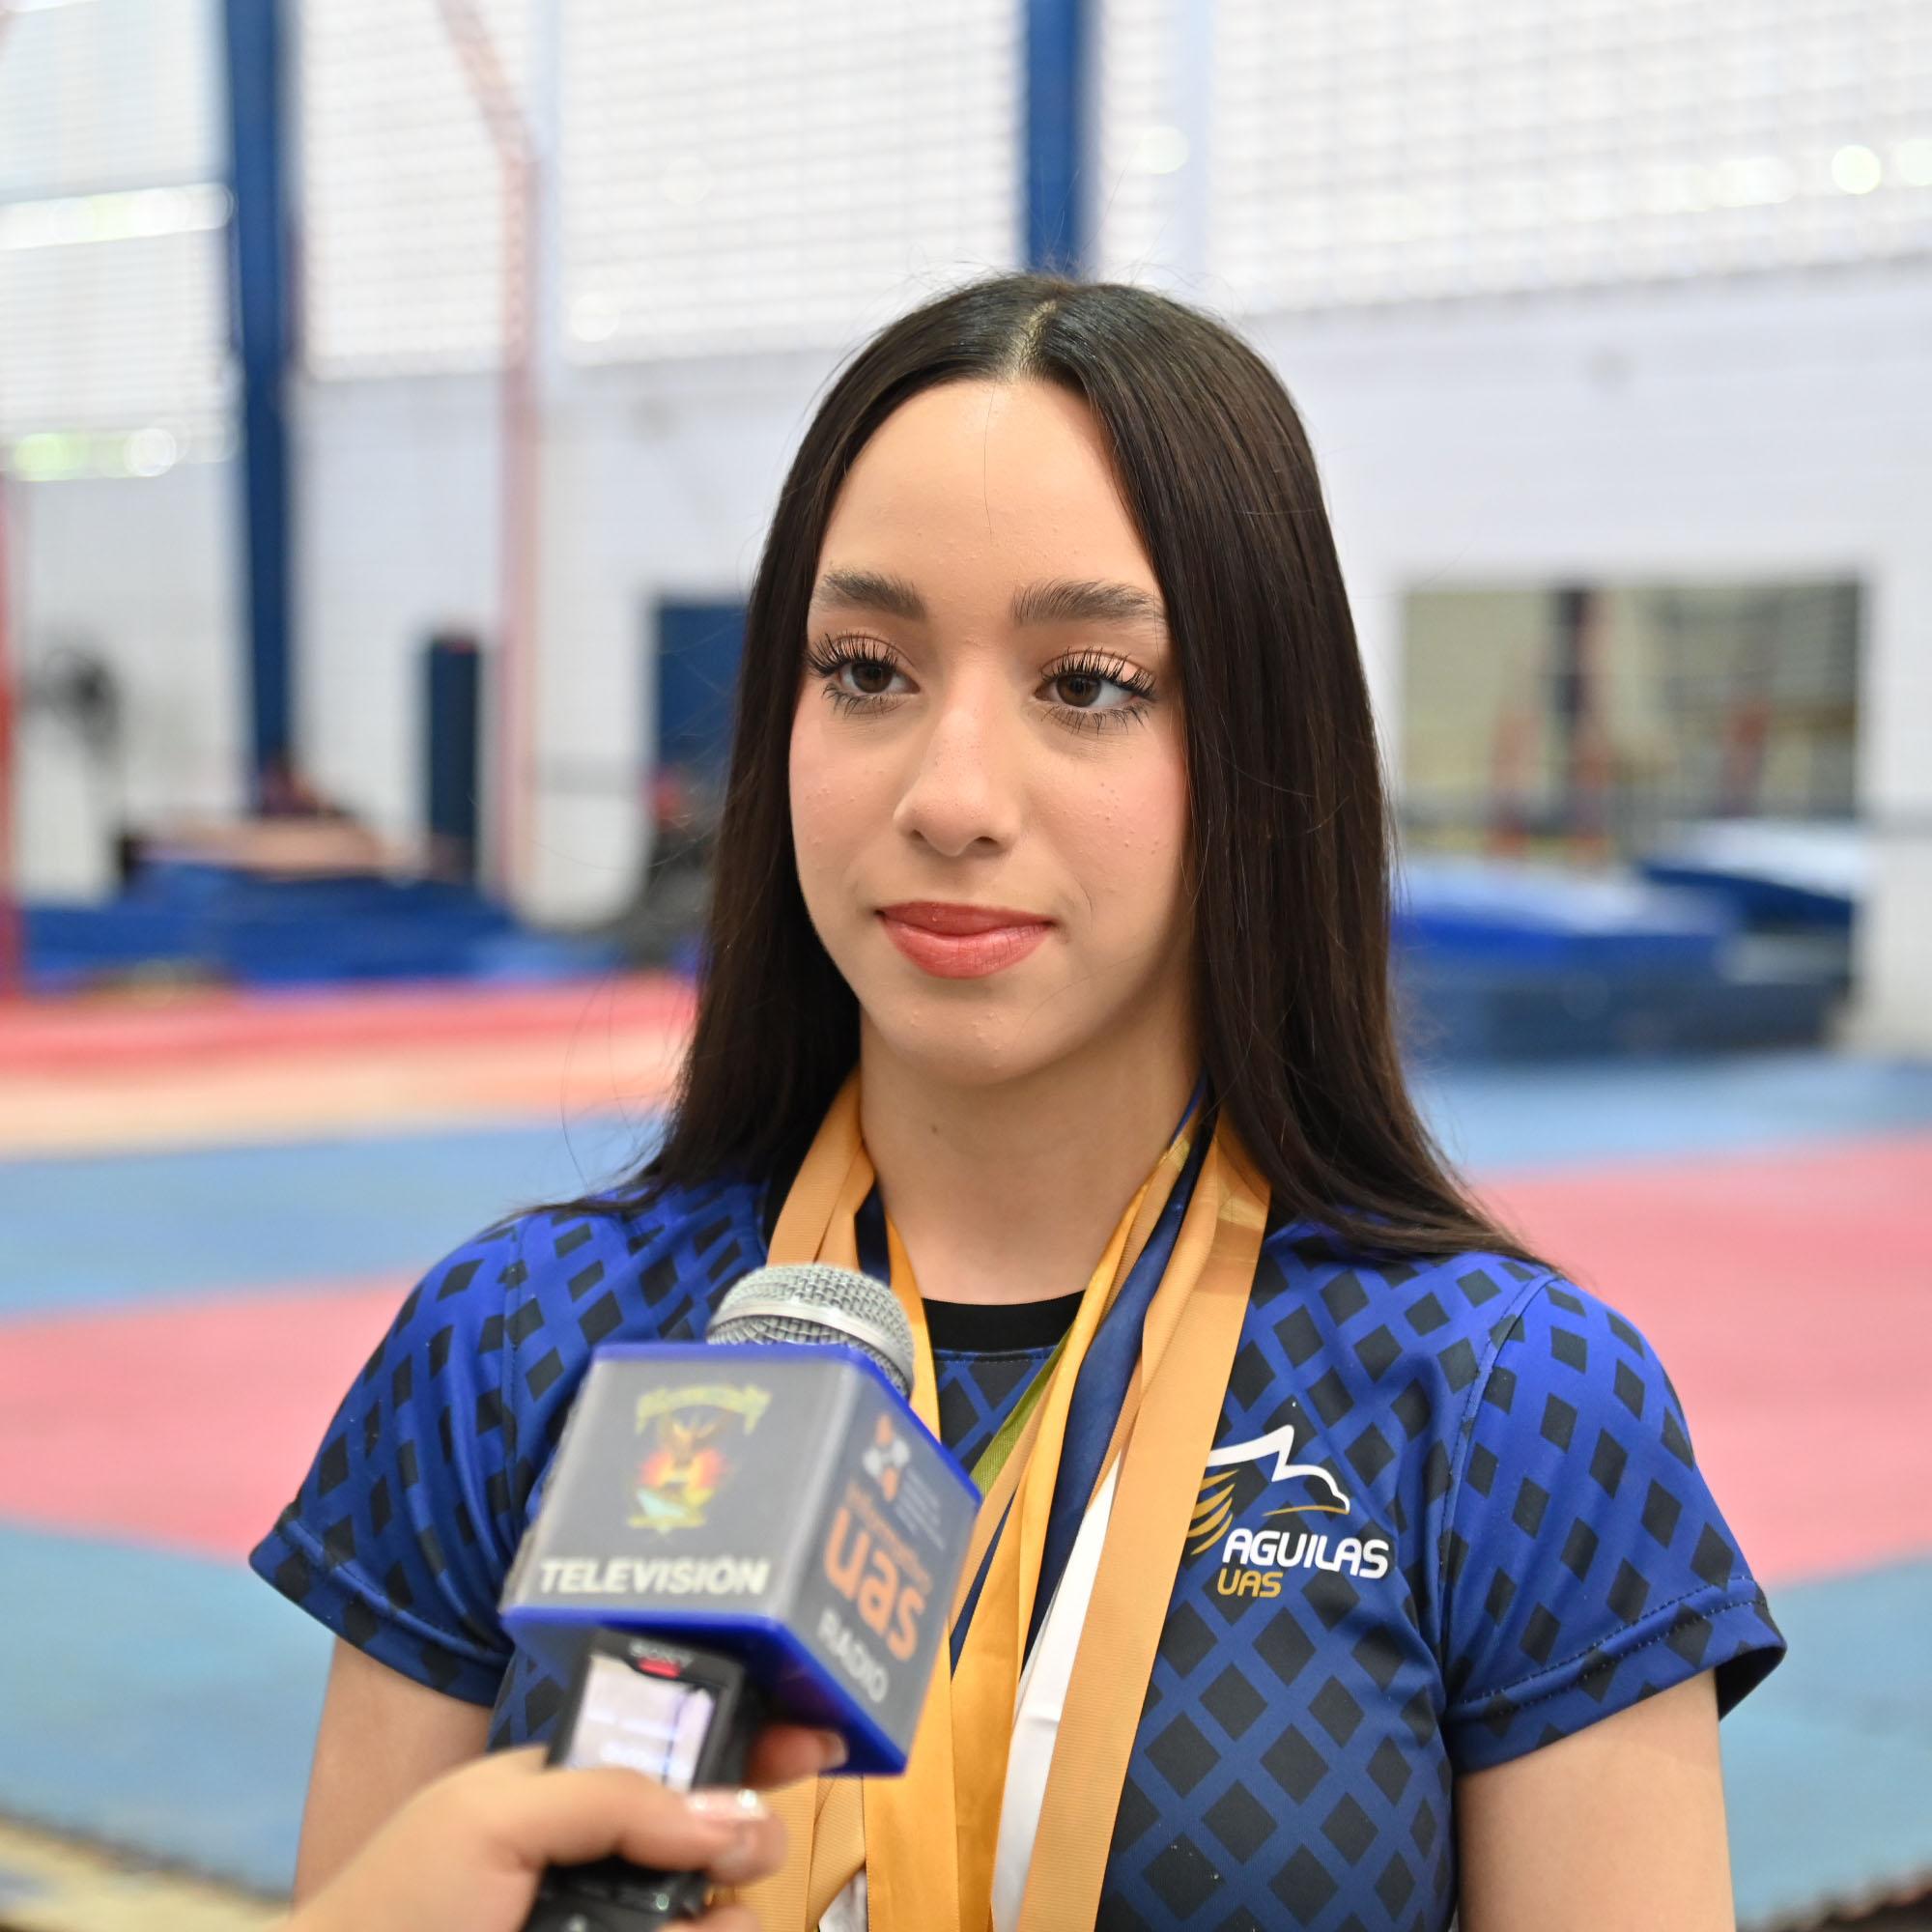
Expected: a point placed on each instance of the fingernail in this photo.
(835, 1752)
(741, 1857)
(727, 1807)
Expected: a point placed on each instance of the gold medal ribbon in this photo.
(926, 1840)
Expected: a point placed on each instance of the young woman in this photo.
(1351, 1568)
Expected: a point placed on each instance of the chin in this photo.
(954, 1045)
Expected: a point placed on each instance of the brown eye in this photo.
(871, 678)
(1090, 692)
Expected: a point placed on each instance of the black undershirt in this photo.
(998, 1327)
(966, 1327)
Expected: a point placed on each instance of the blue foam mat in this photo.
(277, 931)
(1828, 1767)
(1524, 1117)
(197, 1222)
(159, 1704)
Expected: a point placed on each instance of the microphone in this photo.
(757, 1529)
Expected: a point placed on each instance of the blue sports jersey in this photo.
(1452, 1515)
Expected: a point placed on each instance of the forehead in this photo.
(985, 487)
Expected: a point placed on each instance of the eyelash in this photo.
(826, 658)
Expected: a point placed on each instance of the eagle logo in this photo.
(692, 1435)
(1234, 1467)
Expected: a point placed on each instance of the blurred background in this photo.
(393, 394)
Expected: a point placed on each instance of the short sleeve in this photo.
(405, 1525)
(1586, 1565)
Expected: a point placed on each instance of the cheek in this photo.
(813, 818)
(1130, 840)
(836, 803)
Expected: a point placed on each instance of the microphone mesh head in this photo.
(813, 1302)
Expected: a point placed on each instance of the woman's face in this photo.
(988, 783)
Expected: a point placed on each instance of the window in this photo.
(763, 175)
(772, 174)
(113, 238)
(1388, 151)
(401, 227)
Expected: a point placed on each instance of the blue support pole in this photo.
(259, 277)
(1057, 52)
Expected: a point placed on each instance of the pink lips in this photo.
(962, 942)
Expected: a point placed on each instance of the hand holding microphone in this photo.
(759, 1528)
(467, 1851)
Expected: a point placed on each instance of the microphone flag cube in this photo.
(778, 1502)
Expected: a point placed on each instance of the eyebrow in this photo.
(1052, 601)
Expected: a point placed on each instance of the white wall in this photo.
(1756, 428)
(1726, 433)
(656, 483)
(143, 571)
(394, 495)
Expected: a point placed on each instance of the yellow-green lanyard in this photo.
(993, 1457)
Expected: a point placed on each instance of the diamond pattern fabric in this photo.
(1515, 1452)
(1455, 1515)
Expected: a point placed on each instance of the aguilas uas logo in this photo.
(693, 1434)
(1313, 1492)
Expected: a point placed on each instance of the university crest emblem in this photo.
(693, 1434)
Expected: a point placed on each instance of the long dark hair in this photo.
(1290, 838)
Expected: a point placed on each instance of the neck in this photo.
(1008, 1192)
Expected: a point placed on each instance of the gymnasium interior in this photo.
(393, 398)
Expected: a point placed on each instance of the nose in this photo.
(962, 793)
